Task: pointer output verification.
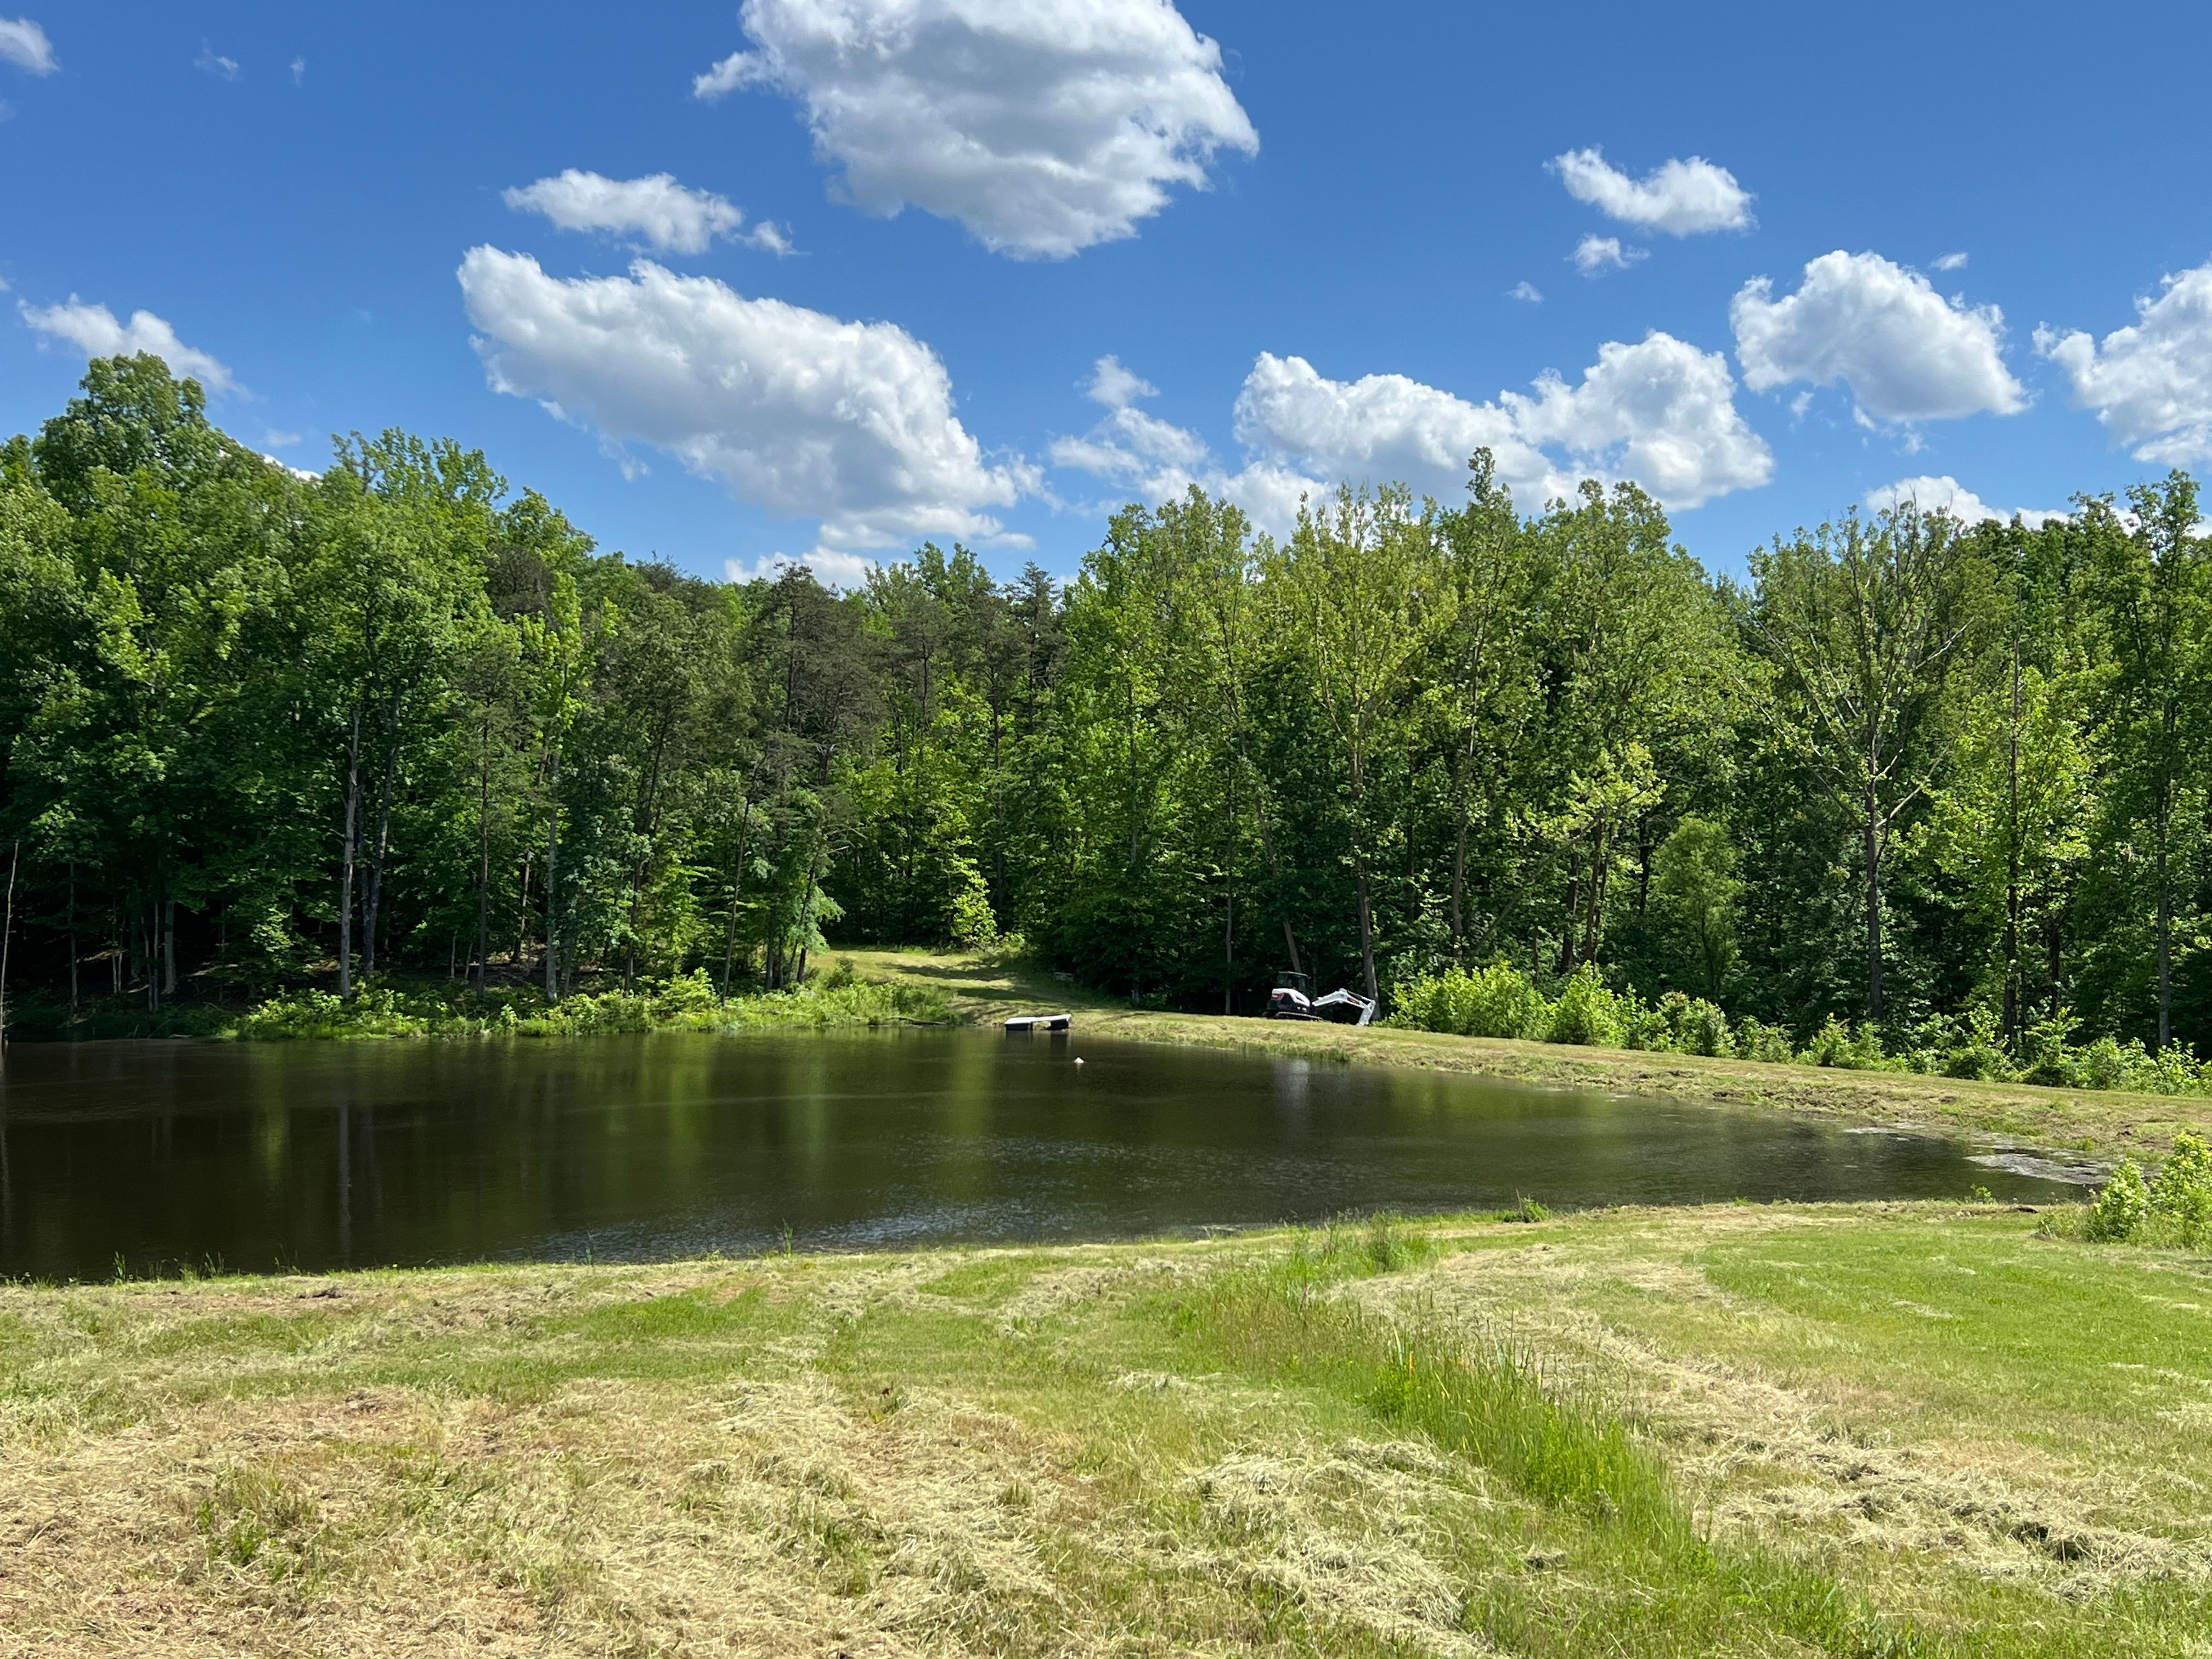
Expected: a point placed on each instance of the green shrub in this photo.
(2172, 1071)
(2121, 1208)
(1496, 1001)
(2182, 1193)
(688, 1003)
(2046, 1053)
(1643, 1025)
(1847, 1049)
(1588, 1013)
(1974, 1051)
(1694, 1026)
(1756, 1040)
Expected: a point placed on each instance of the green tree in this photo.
(2151, 588)
(1361, 594)
(1695, 890)
(1864, 624)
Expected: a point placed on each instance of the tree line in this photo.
(260, 730)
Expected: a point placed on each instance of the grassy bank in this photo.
(444, 1008)
(1843, 1429)
(2101, 1122)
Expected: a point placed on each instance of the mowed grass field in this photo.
(1777, 1429)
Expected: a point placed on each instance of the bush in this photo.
(1974, 1051)
(689, 1003)
(2121, 1208)
(2183, 1192)
(1756, 1040)
(1500, 1000)
(1847, 1049)
(1642, 1025)
(1694, 1026)
(1588, 1013)
(1496, 1001)
(2047, 1056)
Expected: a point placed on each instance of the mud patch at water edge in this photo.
(2028, 1161)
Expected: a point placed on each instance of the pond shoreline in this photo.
(2061, 1124)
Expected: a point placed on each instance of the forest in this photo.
(261, 731)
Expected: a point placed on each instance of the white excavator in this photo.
(1293, 998)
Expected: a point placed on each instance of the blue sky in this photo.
(839, 296)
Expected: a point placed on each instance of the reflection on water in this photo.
(163, 1154)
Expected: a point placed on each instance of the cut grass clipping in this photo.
(1655, 1583)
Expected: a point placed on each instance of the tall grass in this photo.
(1487, 1401)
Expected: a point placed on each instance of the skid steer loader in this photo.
(1293, 998)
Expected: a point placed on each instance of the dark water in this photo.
(165, 1154)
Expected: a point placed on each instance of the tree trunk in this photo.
(552, 879)
(1132, 777)
(1228, 918)
(2163, 825)
(1366, 928)
(2012, 987)
(169, 946)
(6, 935)
(649, 816)
(738, 875)
(1570, 927)
(807, 908)
(1458, 887)
(483, 859)
(1872, 826)
(374, 897)
(352, 842)
(72, 939)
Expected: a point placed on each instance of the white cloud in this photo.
(1661, 412)
(1680, 198)
(1952, 262)
(298, 71)
(1153, 460)
(832, 568)
(1115, 386)
(770, 237)
(94, 332)
(1129, 445)
(1526, 292)
(1380, 428)
(1906, 352)
(791, 410)
(276, 440)
(1044, 126)
(1595, 255)
(1948, 494)
(2150, 383)
(666, 216)
(24, 44)
(211, 62)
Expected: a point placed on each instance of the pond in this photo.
(157, 1156)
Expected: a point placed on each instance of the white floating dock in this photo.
(1040, 1022)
